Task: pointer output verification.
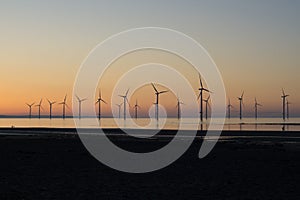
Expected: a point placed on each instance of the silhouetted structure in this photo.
(241, 104)
(136, 106)
(229, 106)
(30, 107)
(50, 108)
(79, 105)
(157, 93)
(201, 89)
(39, 107)
(64, 104)
(178, 106)
(99, 104)
(284, 96)
(206, 106)
(124, 103)
(256, 107)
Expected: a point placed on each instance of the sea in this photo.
(246, 124)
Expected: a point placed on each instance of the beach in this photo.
(54, 164)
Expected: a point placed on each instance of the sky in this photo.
(255, 45)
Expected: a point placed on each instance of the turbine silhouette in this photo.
(124, 103)
(79, 105)
(136, 106)
(206, 106)
(287, 109)
(119, 107)
(157, 93)
(30, 107)
(50, 107)
(99, 104)
(201, 89)
(229, 106)
(39, 106)
(64, 105)
(178, 106)
(241, 98)
(256, 108)
(284, 96)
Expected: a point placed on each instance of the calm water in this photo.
(276, 124)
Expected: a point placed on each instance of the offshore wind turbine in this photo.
(30, 107)
(206, 105)
(40, 106)
(157, 93)
(229, 106)
(256, 107)
(50, 107)
(119, 107)
(64, 104)
(284, 96)
(125, 100)
(201, 89)
(241, 98)
(287, 109)
(178, 106)
(79, 105)
(99, 104)
(136, 106)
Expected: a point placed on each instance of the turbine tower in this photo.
(241, 104)
(30, 106)
(256, 107)
(287, 109)
(206, 106)
(50, 107)
(64, 104)
(136, 106)
(157, 93)
(178, 106)
(99, 104)
(79, 105)
(284, 96)
(229, 106)
(119, 107)
(201, 89)
(124, 102)
(40, 106)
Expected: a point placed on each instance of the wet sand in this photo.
(53, 164)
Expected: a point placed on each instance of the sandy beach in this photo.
(51, 165)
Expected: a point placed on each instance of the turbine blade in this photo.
(103, 101)
(163, 91)
(154, 87)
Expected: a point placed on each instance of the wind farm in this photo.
(139, 100)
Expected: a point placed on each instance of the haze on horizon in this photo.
(255, 45)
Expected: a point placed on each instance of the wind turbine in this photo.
(125, 100)
(256, 107)
(229, 106)
(79, 104)
(178, 106)
(157, 93)
(206, 106)
(50, 107)
(30, 106)
(284, 96)
(136, 106)
(201, 89)
(241, 103)
(287, 109)
(99, 104)
(40, 106)
(119, 106)
(64, 104)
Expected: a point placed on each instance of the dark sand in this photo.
(47, 165)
